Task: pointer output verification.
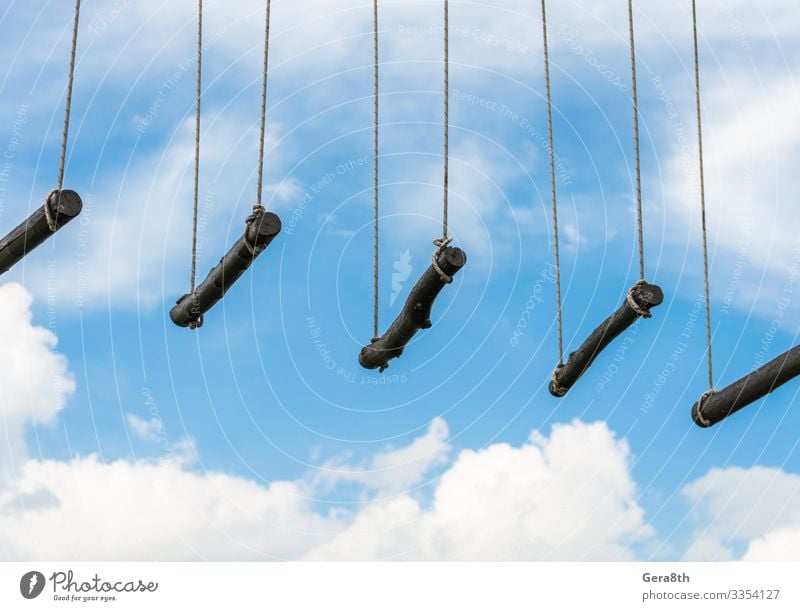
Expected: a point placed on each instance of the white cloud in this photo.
(543, 500)
(34, 379)
(394, 470)
(755, 509)
(566, 497)
(152, 431)
(145, 430)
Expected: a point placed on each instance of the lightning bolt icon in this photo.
(34, 581)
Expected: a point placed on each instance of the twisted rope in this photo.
(553, 184)
(198, 100)
(702, 197)
(68, 110)
(263, 131)
(446, 202)
(376, 202)
(637, 148)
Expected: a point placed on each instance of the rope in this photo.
(446, 119)
(68, 110)
(702, 198)
(263, 133)
(376, 295)
(54, 198)
(553, 183)
(197, 140)
(639, 222)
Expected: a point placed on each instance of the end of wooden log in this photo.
(698, 416)
(261, 229)
(416, 313)
(646, 296)
(64, 206)
(60, 208)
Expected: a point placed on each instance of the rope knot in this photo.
(555, 385)
(441, 245)
(48, 213)
(258, 212)
(640, 312)
(700, 418)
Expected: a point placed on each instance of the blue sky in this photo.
(252, 397)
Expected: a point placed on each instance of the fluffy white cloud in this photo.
(34, 379)
(394, 470)
(756, 510)
(564, 497)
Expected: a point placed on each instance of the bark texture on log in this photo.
(718, 405)
(32, 232)
(261, 229)
(645, 296)
(416, 313)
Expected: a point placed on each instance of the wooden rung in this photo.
(645, 296)
(416, 313)
(718, 405)
(261, 229)
(63, 207)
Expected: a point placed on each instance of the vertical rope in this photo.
(68, 110)
(702, 196)
(553, 182)
(376, 296)
(197, 139)
(637, 148)
(263, 133)
(445, 207)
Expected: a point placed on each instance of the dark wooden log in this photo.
(645, 296)
(416, 313)
(261, 229)
(63, 207)
(718, 405)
